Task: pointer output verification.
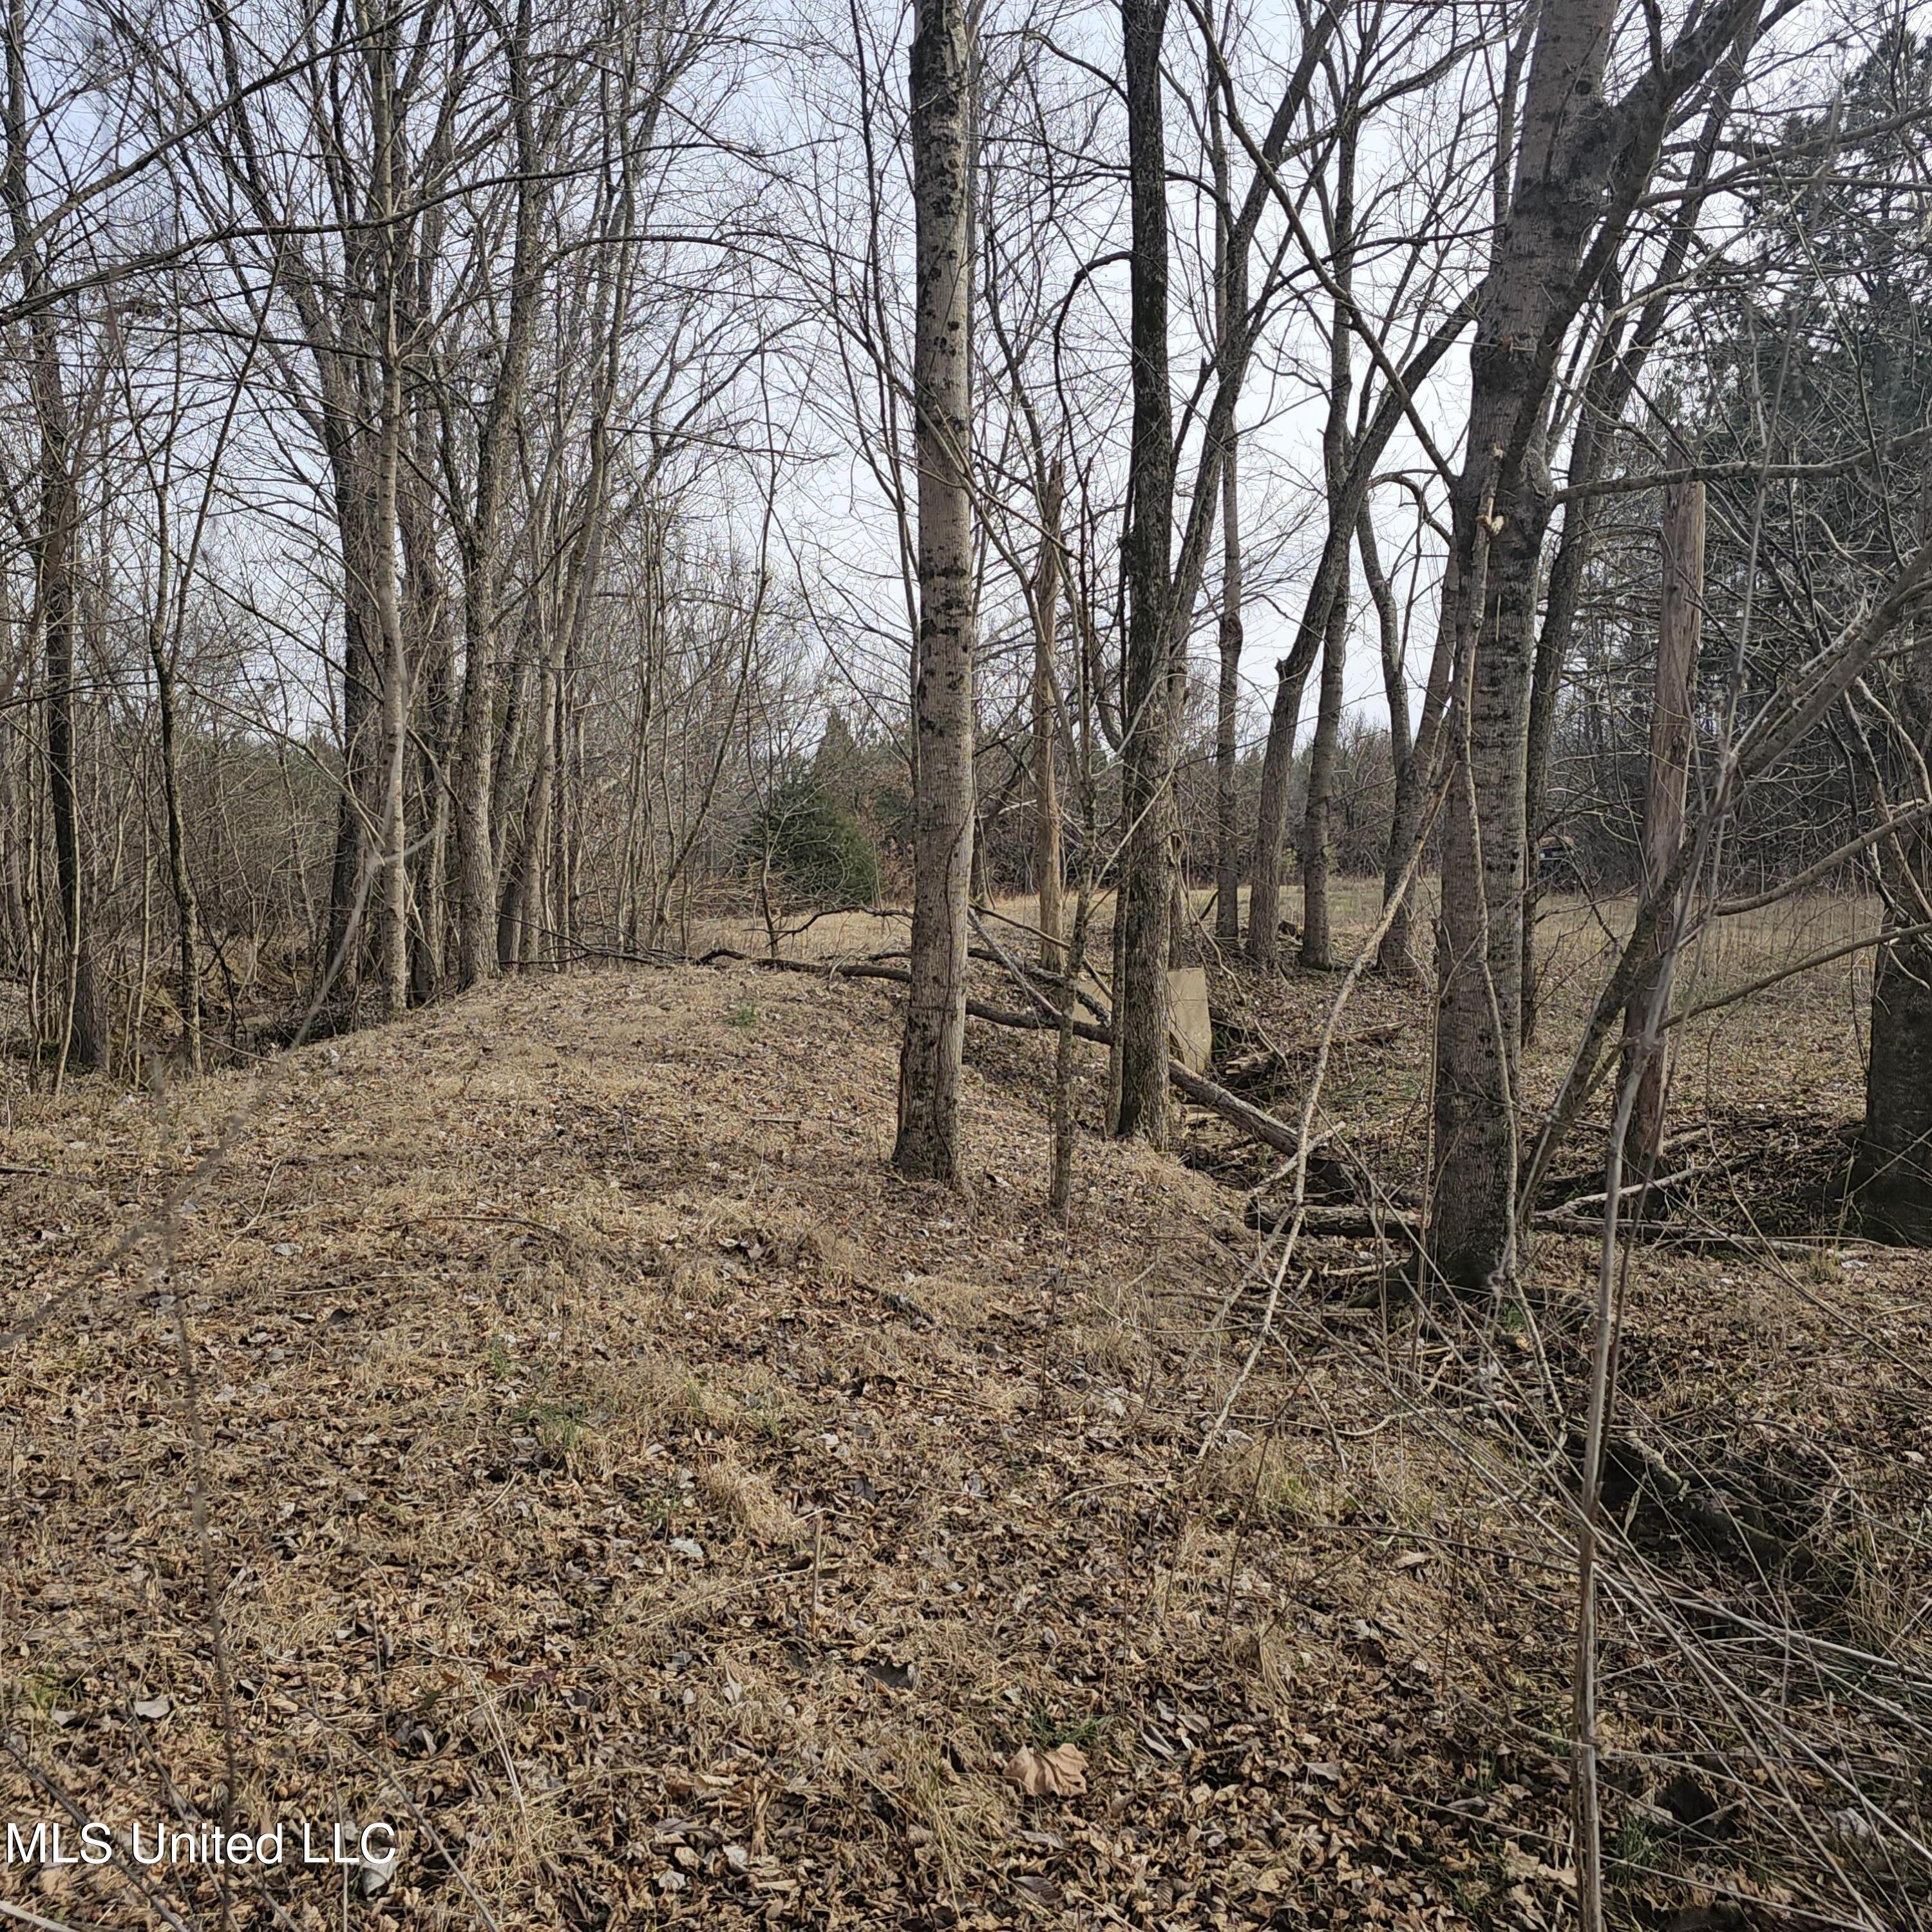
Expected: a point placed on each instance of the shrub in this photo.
(814, 845)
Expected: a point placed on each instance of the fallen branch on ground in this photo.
(1254, 1121)
(1271, 1216)
(1674, 1234)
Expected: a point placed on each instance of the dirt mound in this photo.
(609, 1474)
(552, 1429)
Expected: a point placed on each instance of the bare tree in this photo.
(1151, 667)
(1582, 162)
(928, 1145)
(1679, 625)
(51, 538)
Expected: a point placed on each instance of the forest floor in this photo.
(550, 1427)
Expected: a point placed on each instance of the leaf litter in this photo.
(616, 1476)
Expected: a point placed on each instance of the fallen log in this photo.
(1268, 1060)
(1390, 1223)
(1676, 1235)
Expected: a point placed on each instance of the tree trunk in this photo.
(386, 138)
(1231, 637)
(1290, 674)
(1317, 945)
(1613, 380)
(187, 918)
(352, 464)
(1500, 507)
(1230, 287)
(84, 1030)
(530, 940)
(1396, 955)
(426, 603)
(1892, 1178)
(1581, 167)
(1680, 624)
(928, 1145)
(1317, 940)
(1140, 1012)
(478, 927)
(1048, 865)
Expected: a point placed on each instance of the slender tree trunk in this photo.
(1680, 625)
(476, 855)
(637, 799)
(478, 927)
(535, 868)
(1231, 637)
(1317, 943)
(1891, 1178)
(353, 466)
(390, 247)
(1271, 813)
(84, 1033)
(1582, 166)
(927, 1146)
(1140, 1005)
(427, 605)
(1318, 951)
(1049, 867)
(1231, 289)
(84, 1038)
(1500, 507)
(1394, 956)
(188, 912)
(1613, 380)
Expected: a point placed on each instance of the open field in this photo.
(552, 1428)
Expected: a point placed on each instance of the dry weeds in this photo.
(616, 1476)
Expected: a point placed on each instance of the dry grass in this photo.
(604, 1450)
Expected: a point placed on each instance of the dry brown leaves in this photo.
(617, 1478)
(1060, 1772)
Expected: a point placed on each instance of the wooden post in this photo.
(1680, 624)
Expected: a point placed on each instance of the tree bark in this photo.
(1230, 287)
(480, 534)
(427, 618)
(1395, 956)
(1581, 169)
(181, 885)
(1048, 869)
(928, 1144)
(1680, 625)
(1317, 940)
(1501, 506)
(84, 1029)
(1316, 943)
(387, 136)
(1891, 1178)
(1291, 674)
(1230, 639)
(1611, 382)
(1147, 886)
